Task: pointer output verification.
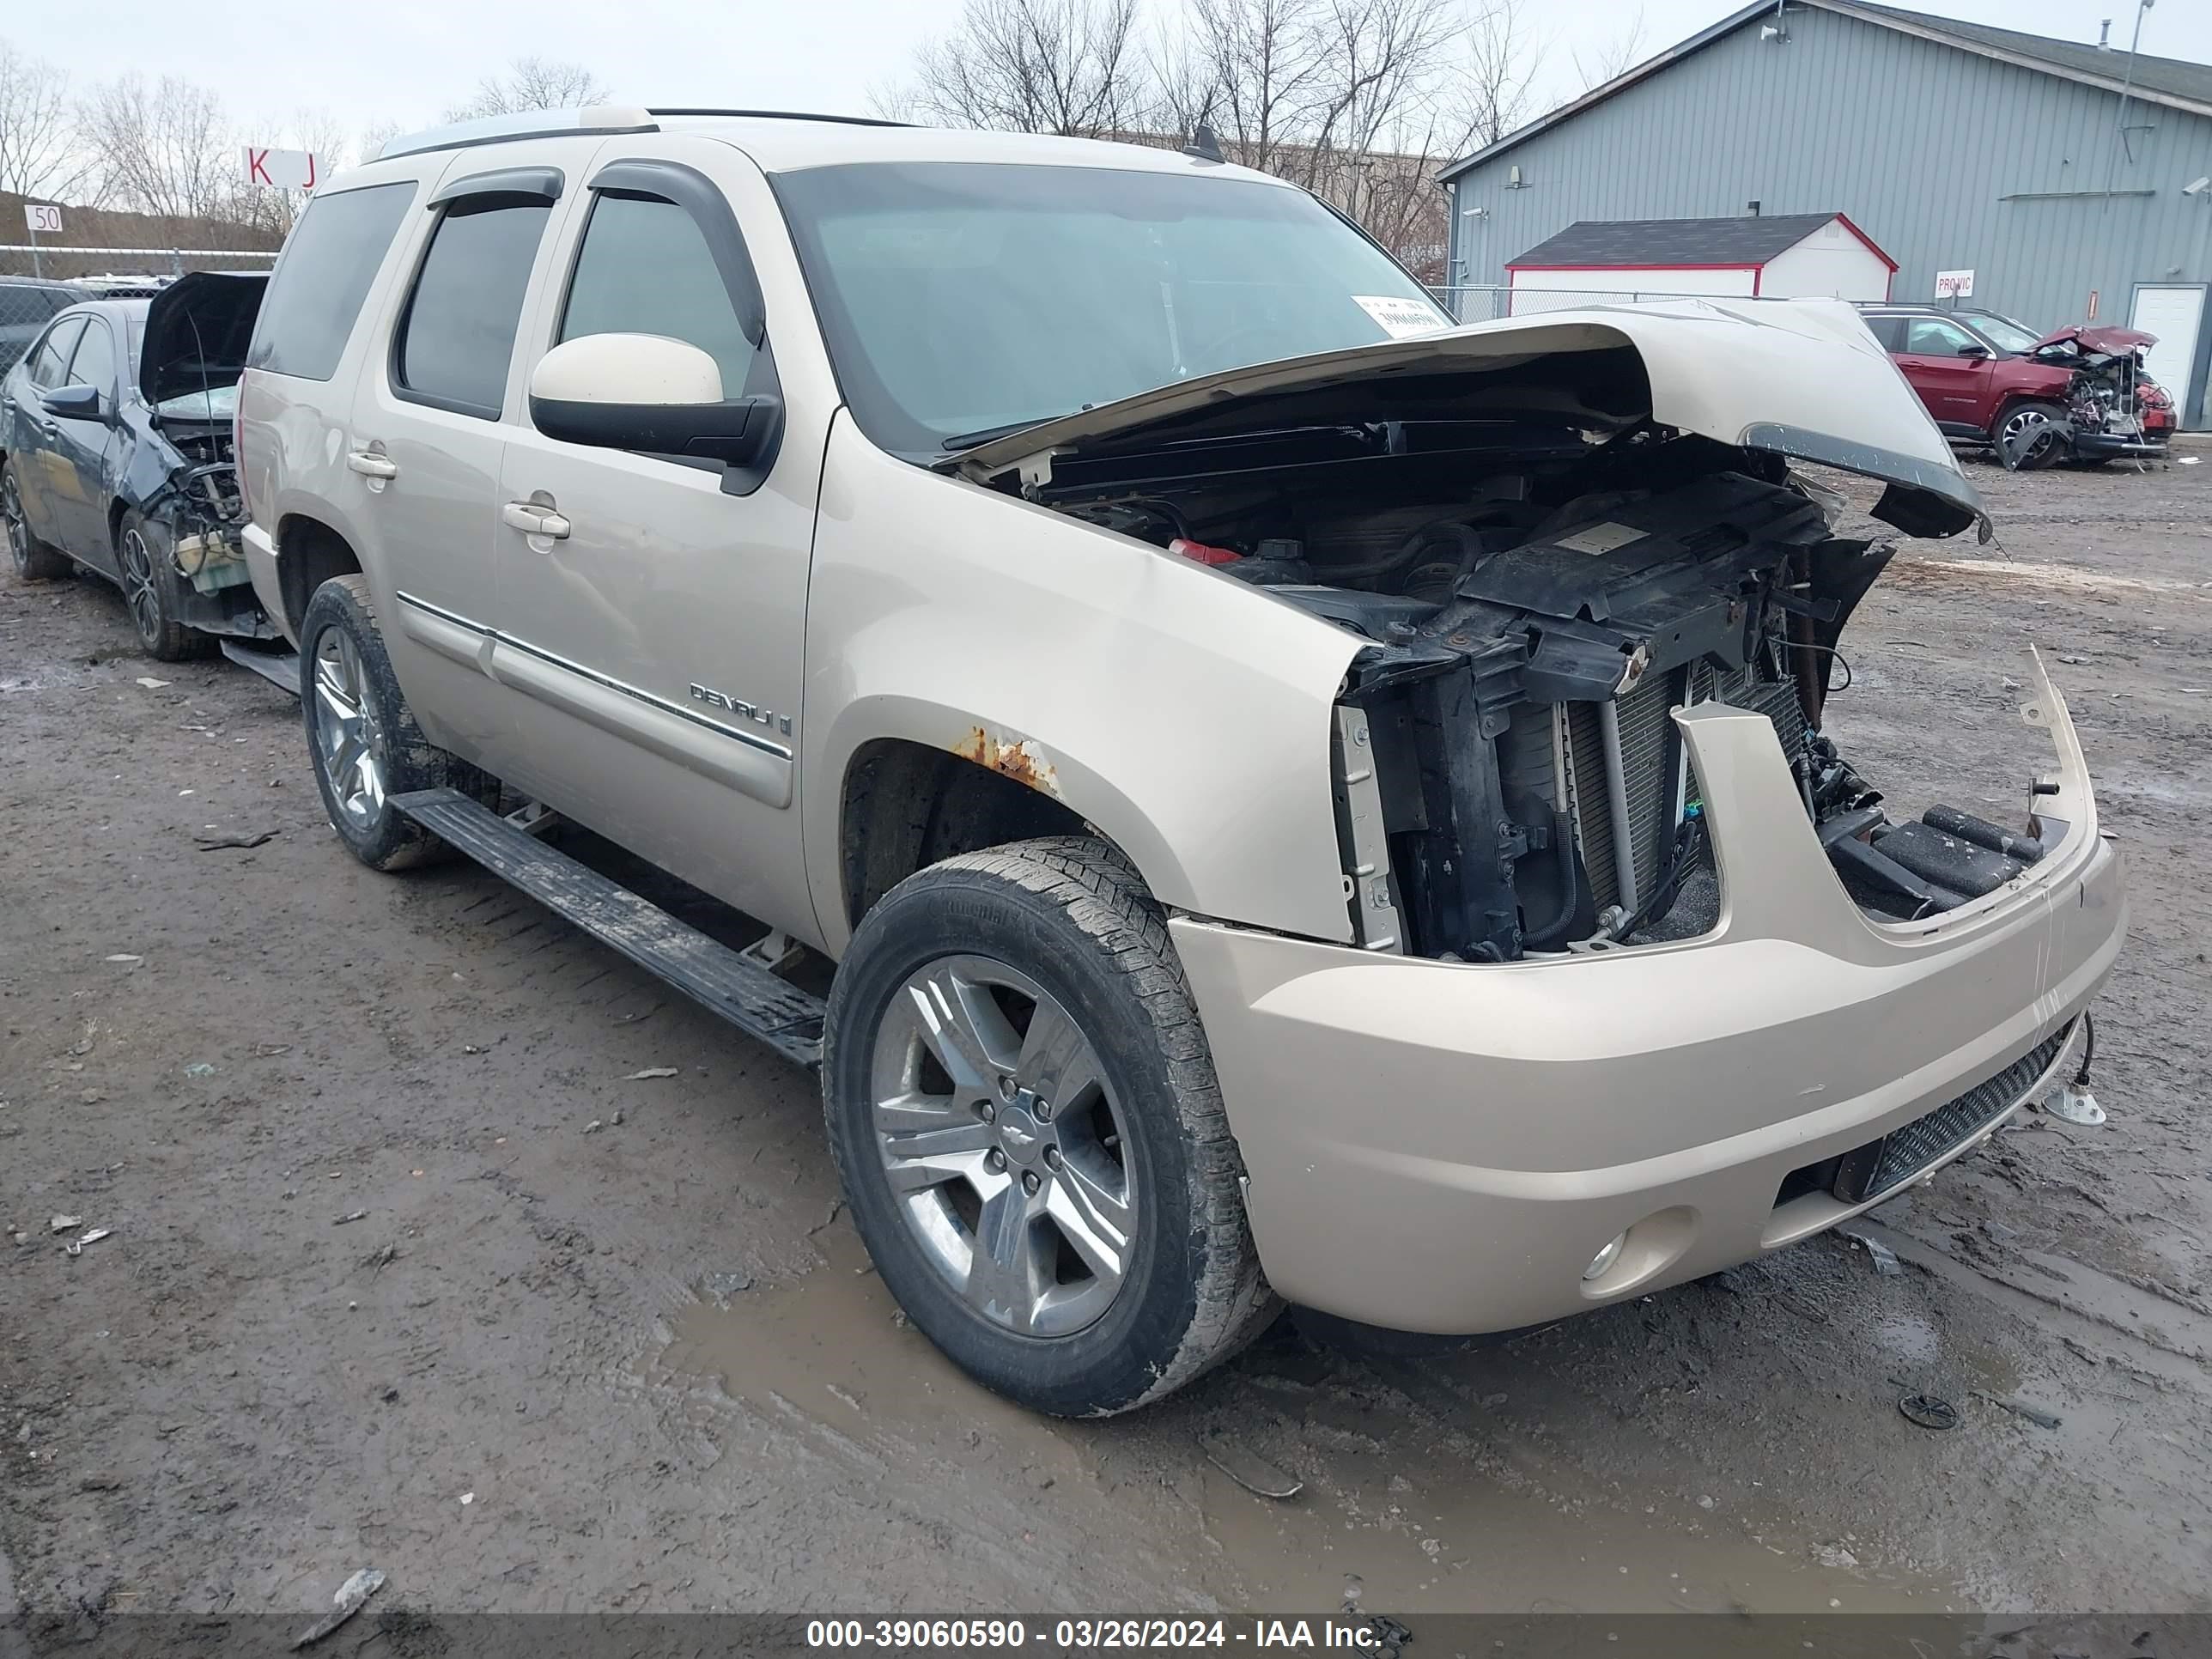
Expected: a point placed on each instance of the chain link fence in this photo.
(38, 280)
(1484, 302)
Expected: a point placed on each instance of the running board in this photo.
(722, 981)
(277, 667)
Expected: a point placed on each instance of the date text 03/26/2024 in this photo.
(985, 1634)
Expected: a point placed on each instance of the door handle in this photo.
(371, 465)
(533, 519)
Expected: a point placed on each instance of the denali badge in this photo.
(748, 710)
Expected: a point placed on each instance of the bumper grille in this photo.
(1879, 1165)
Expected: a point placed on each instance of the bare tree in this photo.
(1496, 74)
(1062, 66)
(1263, 63)
(39, 151)
(1385, 60)
(532, 82)
(1600, 61)
(163, 149)
(1185, 90)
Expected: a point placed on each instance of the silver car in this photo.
(1306, 803)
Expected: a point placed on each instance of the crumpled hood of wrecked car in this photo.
(1802, 378)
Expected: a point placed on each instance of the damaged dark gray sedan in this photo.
(117, 453)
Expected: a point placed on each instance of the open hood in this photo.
(197, 330)
(1799, 378)
(2106, 340)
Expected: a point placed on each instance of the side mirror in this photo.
(647, 392)
(1973, 351)
(73, 402)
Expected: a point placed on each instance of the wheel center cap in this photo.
(1019, 1133)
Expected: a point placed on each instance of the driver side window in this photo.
(1931, 336)
(645, 268)
(44, 371)
(93, 365)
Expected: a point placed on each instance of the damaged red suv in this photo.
(2078, 394)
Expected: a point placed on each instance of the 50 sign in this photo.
(42, 216)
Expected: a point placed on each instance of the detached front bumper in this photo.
(1446, 1147)
(2153, 441)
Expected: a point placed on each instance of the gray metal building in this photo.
(2064, 175)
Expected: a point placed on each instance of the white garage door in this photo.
(2174, 313)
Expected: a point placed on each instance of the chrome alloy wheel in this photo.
(347, 734)
(137, 564)
(2028, 438)
(1005, 1151)
(19, 528)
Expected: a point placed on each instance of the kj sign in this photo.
(282, 169)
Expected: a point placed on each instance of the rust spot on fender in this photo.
(1022, 759)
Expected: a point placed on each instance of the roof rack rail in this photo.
(526, 123)
(790, 115)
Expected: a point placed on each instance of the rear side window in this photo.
(1889, 331)
(645, 269)
(308, 313)
(95, 362)
(458, 335)
(46, 362)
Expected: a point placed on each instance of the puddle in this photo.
(1908, 1338)
(1425, 1520)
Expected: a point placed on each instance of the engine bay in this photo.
(1534, 606)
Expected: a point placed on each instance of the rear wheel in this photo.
(34, 561)
(1024, 1110)
(2031, 436)
(363, 743)
(149, 582)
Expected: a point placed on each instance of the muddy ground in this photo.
(598, 1343)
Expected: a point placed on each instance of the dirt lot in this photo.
(407, 1270)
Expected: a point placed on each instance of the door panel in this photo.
(1954, 388)
(32, 449)
(428, 435)
(86, 451)
(655, 647)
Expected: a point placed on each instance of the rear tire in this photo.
(1024, 1111)
(2029, 437)
(362, 742)
(34, 561)
(149, 580)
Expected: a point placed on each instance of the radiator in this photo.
(1650, 764)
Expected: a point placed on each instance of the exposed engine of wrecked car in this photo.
(1536, 601)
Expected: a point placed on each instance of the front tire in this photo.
(363, 743)
(149, 582)
(1024, 1111)
(2031, 436)
(34, 561)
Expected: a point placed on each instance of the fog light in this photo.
(1605, 1258)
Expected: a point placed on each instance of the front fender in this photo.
(1183, 712)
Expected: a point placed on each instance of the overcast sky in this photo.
(404, 61)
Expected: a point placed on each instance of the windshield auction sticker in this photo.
(1401, 318)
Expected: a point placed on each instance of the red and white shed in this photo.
(1789, 256)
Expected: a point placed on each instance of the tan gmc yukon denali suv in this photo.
(1306, 803)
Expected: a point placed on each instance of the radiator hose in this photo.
(1563, 850)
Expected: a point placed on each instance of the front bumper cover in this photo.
(1435, 1146)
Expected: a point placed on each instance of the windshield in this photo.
(216, 403)
(2003, 332)
(962, 299)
